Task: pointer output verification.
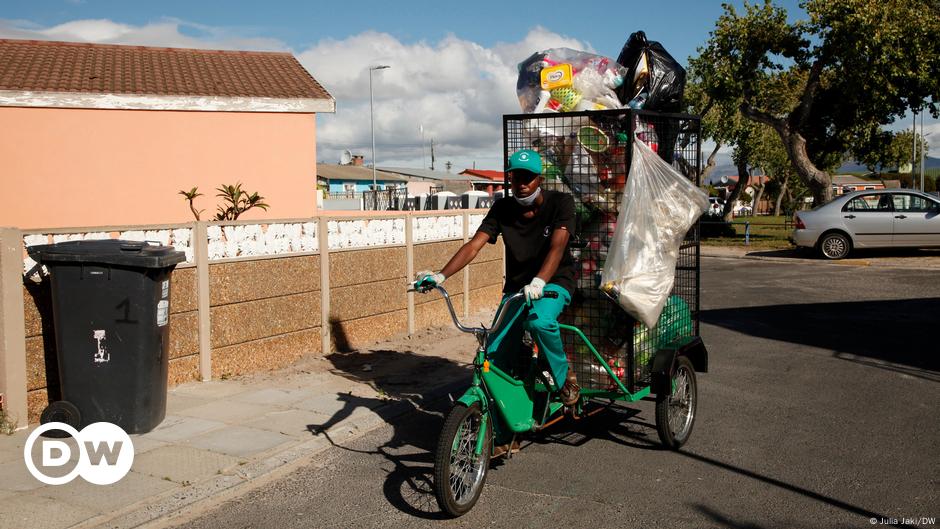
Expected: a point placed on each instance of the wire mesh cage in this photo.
(587, 154)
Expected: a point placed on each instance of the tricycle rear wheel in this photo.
(459, 473)
(675, 412)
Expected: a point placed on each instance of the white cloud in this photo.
(456, 89)
(932, 134)
(167, 32)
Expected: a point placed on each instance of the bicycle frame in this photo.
(511, 401)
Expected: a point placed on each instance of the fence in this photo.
(256, 296)
(385, 199)
(721, 228)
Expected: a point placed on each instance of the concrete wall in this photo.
(264, 314)
(105, 167)
(244, 314)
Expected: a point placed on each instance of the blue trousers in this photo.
(542, 324)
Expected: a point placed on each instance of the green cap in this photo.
(527, 160)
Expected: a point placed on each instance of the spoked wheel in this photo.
(459, 472)
(675, 413)
(835, 246)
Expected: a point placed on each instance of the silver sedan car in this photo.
(870, 219)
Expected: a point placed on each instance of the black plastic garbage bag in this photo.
(655, 80)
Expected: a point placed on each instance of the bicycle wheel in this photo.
(675, 413)
(459, 472)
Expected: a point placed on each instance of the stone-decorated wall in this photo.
(486, 278)
(42, 364)
(184, 327)
(430, 309)
(368, 296)
(264, 314)
(264, 284)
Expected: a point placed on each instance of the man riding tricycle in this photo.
(527, 366)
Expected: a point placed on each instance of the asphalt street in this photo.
(820, 410)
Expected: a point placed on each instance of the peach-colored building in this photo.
(94, 135)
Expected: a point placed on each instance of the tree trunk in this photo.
(819, 182)
(710, 163)
(781, 194)
(743, 179)
(756, 202)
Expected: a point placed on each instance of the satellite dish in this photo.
(724, 179)
(345, 158)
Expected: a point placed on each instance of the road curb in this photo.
(178, 506)
(802, 260)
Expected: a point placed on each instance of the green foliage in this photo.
(889, 150)
(913, 182)
(827, 84)
(235, 201)
(190, 197)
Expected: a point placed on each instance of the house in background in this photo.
(426, 181)
(739, 207)
(98, 135)
(842, 184)
(497, 179)
(352, 179)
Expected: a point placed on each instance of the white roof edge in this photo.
(44, 99)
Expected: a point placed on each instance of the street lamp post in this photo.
(372, 121)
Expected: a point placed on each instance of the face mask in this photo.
(529, 200)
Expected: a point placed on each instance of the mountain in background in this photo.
(725, 167)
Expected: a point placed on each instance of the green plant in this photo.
(235, 201)
(7, 423)
(190, 196)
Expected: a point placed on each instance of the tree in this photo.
(827, 84)
(887, 150)
(700, 104)
(722, 123)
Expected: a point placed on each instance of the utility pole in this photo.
(432, 154)
(914, 148)
(922, 153)
(424, 157)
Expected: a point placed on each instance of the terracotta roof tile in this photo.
(31, 65)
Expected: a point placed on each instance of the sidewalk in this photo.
(220, 438)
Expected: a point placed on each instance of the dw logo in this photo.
(106, 453)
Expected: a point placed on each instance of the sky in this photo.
(453, 64)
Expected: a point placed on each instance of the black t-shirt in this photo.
(528, 240)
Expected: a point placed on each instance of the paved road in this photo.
(820, 411)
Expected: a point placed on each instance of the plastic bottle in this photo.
(638, 102)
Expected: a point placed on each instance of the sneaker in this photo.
(571, 391)
(501, 450)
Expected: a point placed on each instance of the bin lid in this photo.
(108, 251)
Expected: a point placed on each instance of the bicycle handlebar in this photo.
(499, 315)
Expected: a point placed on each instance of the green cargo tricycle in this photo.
(512, 393)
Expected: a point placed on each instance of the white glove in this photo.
(426, 280)
(533, 290)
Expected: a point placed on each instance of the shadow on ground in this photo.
(412, 401)
(620, 425)
(900, 332)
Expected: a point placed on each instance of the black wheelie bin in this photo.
(111, 312)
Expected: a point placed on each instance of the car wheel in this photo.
(834, 246)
